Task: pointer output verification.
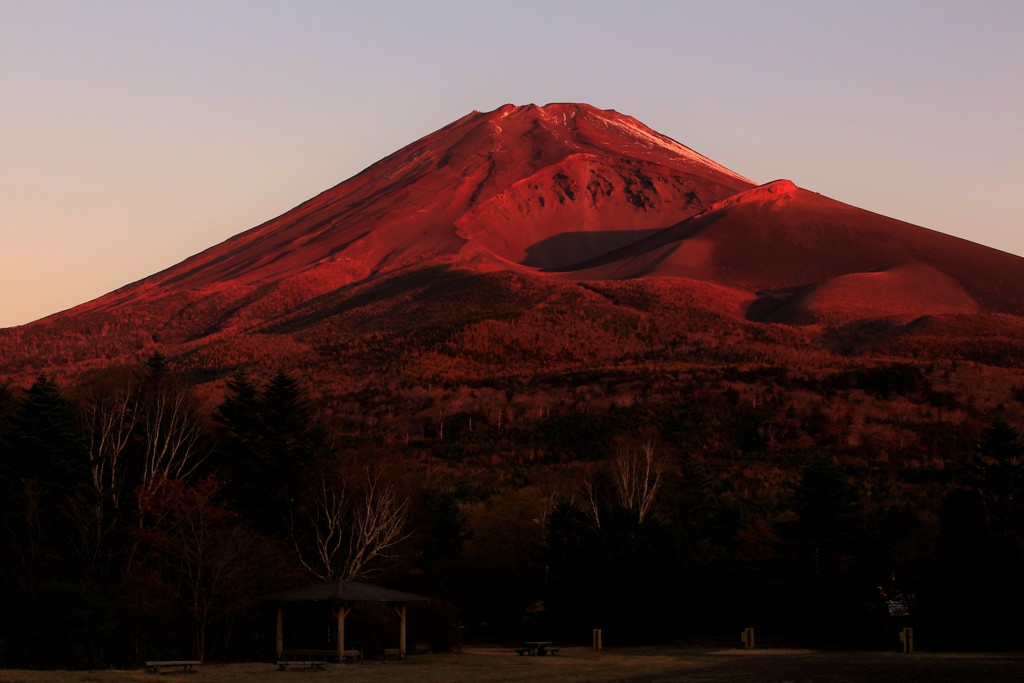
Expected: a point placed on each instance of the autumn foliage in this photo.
(823, 504)
(550, 368)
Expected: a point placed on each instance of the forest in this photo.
(146, 510)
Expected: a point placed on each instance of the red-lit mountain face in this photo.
(559, 233)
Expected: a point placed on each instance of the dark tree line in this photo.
(972, 589)
(136, 525)
(137, 522)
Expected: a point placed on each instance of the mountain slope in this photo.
(529, 223)
(810, 258)
(425, 203)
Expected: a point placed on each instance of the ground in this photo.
(578, 665)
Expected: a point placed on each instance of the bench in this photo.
(317, 664)
(185, 664)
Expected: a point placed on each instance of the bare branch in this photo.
(338, 536)
(324, 519)
(379, 526)
(108, 420)
(637, 477)
(593, 504)
(171, 431)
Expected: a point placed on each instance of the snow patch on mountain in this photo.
(649, 138)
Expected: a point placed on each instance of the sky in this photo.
(135, 134)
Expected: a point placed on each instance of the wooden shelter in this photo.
(342, 596)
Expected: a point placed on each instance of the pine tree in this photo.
(827, 508)
(45, 442)
(268, 437)
(997, 473)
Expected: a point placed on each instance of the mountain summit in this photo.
(558, 201)
(481, 190)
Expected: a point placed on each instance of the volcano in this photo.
(555, 219)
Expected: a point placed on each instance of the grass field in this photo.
(661, 665)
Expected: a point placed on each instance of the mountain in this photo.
(560, 234)
(810, 259)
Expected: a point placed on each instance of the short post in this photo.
(907, 638)
(747, 638)
(597, 639)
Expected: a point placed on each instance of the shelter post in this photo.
(280, 631)
(400, 611)
(342, 613)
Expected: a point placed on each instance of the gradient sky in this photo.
(135, 134)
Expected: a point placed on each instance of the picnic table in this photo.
(537, 648)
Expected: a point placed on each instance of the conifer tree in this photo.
(268, 438)
(997, 473)
(827, 508)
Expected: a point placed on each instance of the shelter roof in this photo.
(343, 591)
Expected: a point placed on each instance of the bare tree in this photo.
(171, 431)
(630, 482)
(593, 502)
(636, 477)
(108, 420)
(318, 529)
(204, 550)
(338, 535)
(379, 527)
